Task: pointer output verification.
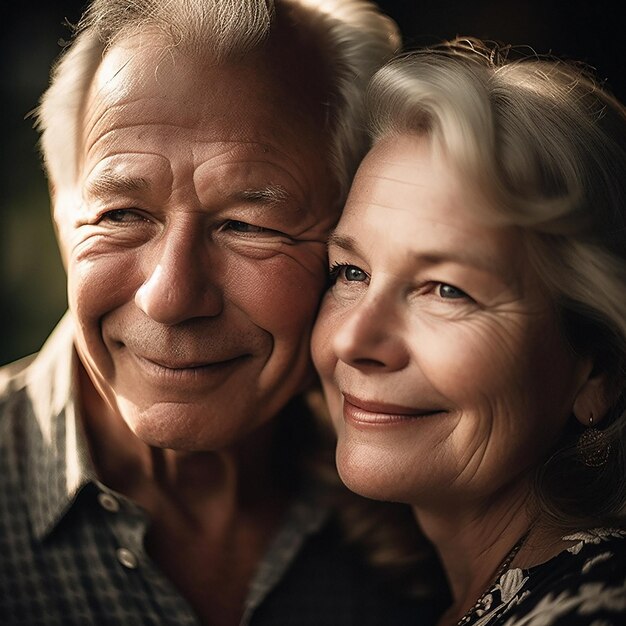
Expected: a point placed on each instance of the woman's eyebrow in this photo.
(429, 258)
(345, 242)
(426, 257)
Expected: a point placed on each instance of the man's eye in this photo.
(450, 292)
(121, 216)
(348, 273)
(244, 227)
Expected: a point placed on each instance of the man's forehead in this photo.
(150, 62)
(142, 83)
(148, 72)
(140, 61)
(148, 96)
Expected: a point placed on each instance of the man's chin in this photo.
(186, 427)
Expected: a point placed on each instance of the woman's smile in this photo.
(372, 413)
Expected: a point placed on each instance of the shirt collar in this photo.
(57, 463)
(306, 515)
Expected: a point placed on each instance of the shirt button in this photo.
(127, 558)
(108, 502)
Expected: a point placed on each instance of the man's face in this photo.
(194, 244)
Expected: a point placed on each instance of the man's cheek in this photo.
(96, 287)
(289, 272)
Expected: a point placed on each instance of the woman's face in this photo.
(441, 355)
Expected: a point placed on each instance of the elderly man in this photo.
(152, 456)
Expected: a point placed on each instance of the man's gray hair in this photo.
(354, 39)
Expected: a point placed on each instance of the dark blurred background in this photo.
(32, 283)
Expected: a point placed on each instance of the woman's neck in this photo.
(473, 542)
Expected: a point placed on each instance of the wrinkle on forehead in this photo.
(199, 115)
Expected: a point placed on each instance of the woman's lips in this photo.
(371, 412)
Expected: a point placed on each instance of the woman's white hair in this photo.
(545, 146)
(354, 38)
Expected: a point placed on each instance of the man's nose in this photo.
(370, 336)
(180, 283)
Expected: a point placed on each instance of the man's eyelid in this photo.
(133, 212)
(235, 222)
(114, 199)
(255, 229)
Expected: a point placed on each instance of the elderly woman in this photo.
(472, 346)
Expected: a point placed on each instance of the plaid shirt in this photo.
(71, 549)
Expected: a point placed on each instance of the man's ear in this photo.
(593, 400)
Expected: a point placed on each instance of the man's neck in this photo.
(238, 476)
(213, 514)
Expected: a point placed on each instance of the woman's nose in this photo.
(179, 283)
(369, 336)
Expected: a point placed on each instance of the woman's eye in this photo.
(348, 273)
(450, 292)
(353, 273)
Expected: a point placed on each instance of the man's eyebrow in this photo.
(270, 195)
(108, 182)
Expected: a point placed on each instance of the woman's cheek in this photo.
(464, 355)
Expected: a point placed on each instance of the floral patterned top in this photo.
(584, 585)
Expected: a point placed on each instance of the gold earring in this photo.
(593, 446)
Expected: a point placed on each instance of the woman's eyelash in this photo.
(351, 273)
(334, 270)
(347, 271)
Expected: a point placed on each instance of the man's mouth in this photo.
(191, 364)
(189, 374)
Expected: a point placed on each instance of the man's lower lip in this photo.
(361, 417)
(190, 374)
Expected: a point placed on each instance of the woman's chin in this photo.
(367, 476)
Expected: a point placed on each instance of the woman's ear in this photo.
(592, 402)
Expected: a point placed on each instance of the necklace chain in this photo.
(504, 565)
